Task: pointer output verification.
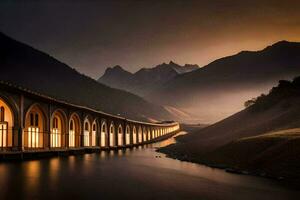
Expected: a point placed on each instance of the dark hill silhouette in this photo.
(37, 71)
(220, 88)
(146, 79)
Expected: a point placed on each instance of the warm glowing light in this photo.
(144, 134)
(72, 134)
(103, 134)
(94, 134)
(134, 135)
(55, 136)
(86, 134)
(140, 135)
(120, 136)
(33, 137)
(149, 134)
(3, 134)
(127, 138)
(112, 135)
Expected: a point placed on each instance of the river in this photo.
(140, 173)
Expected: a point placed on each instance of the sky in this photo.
(93, 35)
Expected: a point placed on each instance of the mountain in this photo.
(220, 88)
(263, 139)
(145, 80)
(37, 71)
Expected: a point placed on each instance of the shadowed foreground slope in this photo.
(237, 142)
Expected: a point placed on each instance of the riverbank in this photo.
(273, 155)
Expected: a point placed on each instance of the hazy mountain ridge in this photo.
(35, 70)
(146, 79)
(222, 86)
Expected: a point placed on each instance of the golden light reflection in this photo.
(32, 171)
(54, 169)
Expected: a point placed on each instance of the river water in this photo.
(140, 173)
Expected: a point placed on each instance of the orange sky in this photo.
(91, 36)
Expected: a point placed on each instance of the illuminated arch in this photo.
(35, 124)
(112, 140)
(153, 134)
(103, 135)
(134, 135)
(149, 134)
(6, 124)
(87, 130)
(74, 131)
(94, 133)
(58, 129)
(144, 134)
(127, 135)
(140, 135)
(120, 135)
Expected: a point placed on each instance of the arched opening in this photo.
(34, 128)
(74, 131)
(134, 136)
(103, 134)
(120, 135)
(86, 132)
(127, 135)
(112, 135)
(94, 133)
(153, 136)
(140, 132)
(149, 134)
(6, 124)
(57, 129)
(144, 134)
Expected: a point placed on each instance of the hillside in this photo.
(35, 70)
(262, 139)
(220, 88)
(145, 80)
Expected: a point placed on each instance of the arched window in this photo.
(33, 131)
(144, 134)
(94, 134)
(72, 134)
(112, 135)
(103, 134)
(74, 131)
(140, 134)
(120, 135)
(86, 133)
(56, 133)
(127, 138)
(134, 135)
(3, 128)
(149, 134)
(6, 124)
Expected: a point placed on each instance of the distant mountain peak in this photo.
(116, 69)
(172, 63)
(283, 44)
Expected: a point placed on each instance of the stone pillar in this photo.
(18, 132)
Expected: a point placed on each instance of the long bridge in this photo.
(32, 122)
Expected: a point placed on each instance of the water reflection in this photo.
(134, 173)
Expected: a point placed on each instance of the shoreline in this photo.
(171, 152)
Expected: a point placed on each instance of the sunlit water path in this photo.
(139, 173)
